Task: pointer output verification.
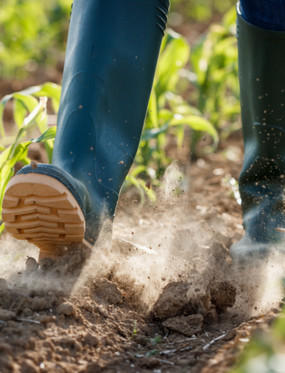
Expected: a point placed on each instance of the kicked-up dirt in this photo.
(163, 296)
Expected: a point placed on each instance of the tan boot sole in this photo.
(41, 210)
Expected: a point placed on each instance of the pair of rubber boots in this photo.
(111, 57)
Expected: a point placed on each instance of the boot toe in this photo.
(40, 209)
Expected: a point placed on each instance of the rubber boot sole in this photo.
(40, 209)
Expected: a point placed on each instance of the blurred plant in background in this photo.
(32, 33)
(29, 112)
(215, 75)
(199, 10)
(168, 113)
(196, 90)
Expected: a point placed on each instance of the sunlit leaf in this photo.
(48, 135)
(198, 124)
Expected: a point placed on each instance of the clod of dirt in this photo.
(39, 304)
(6, 314)
(187, 325)
(105, 290)
(91, 340)
(151, 363)
(223, 295)
(200, 303)
(171, 301)
(177, 298)
(28, 366)
(93, 368)
(66, 309)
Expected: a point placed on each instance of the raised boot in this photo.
(111, 56)
(262, 180)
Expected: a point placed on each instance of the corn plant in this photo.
(168, 112)
(29, 110)
(215, 77)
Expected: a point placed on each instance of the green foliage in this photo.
(29, 110)
(31, 33)
(265, 353)
(168, 112)
(204, 98)
(214, 63)
(200, 10)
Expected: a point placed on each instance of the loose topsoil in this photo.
(163, 296)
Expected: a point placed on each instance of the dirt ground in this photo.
(163, 296)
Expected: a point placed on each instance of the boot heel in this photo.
(41, 210)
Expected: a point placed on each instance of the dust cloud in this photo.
(174, 240)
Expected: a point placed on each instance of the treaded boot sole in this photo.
(40, 209)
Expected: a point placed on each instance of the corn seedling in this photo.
(29, 110)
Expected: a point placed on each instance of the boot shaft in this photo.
(262, 91)
(111, 56)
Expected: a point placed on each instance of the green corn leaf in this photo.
(135, 182)
(52, 91)
(7, 165)
(229, 20)
(28, 101)
(47, 135)
(135, 171)
(174, 57)
(28, 122)
(164, 115)
(148, 191)
(142, 188)
(2, 228)
(198, 124)
(154, 132)
(20, 112)
(18, 153)
(152, 121)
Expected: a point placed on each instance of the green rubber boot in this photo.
(111, 56)
(262, 90)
